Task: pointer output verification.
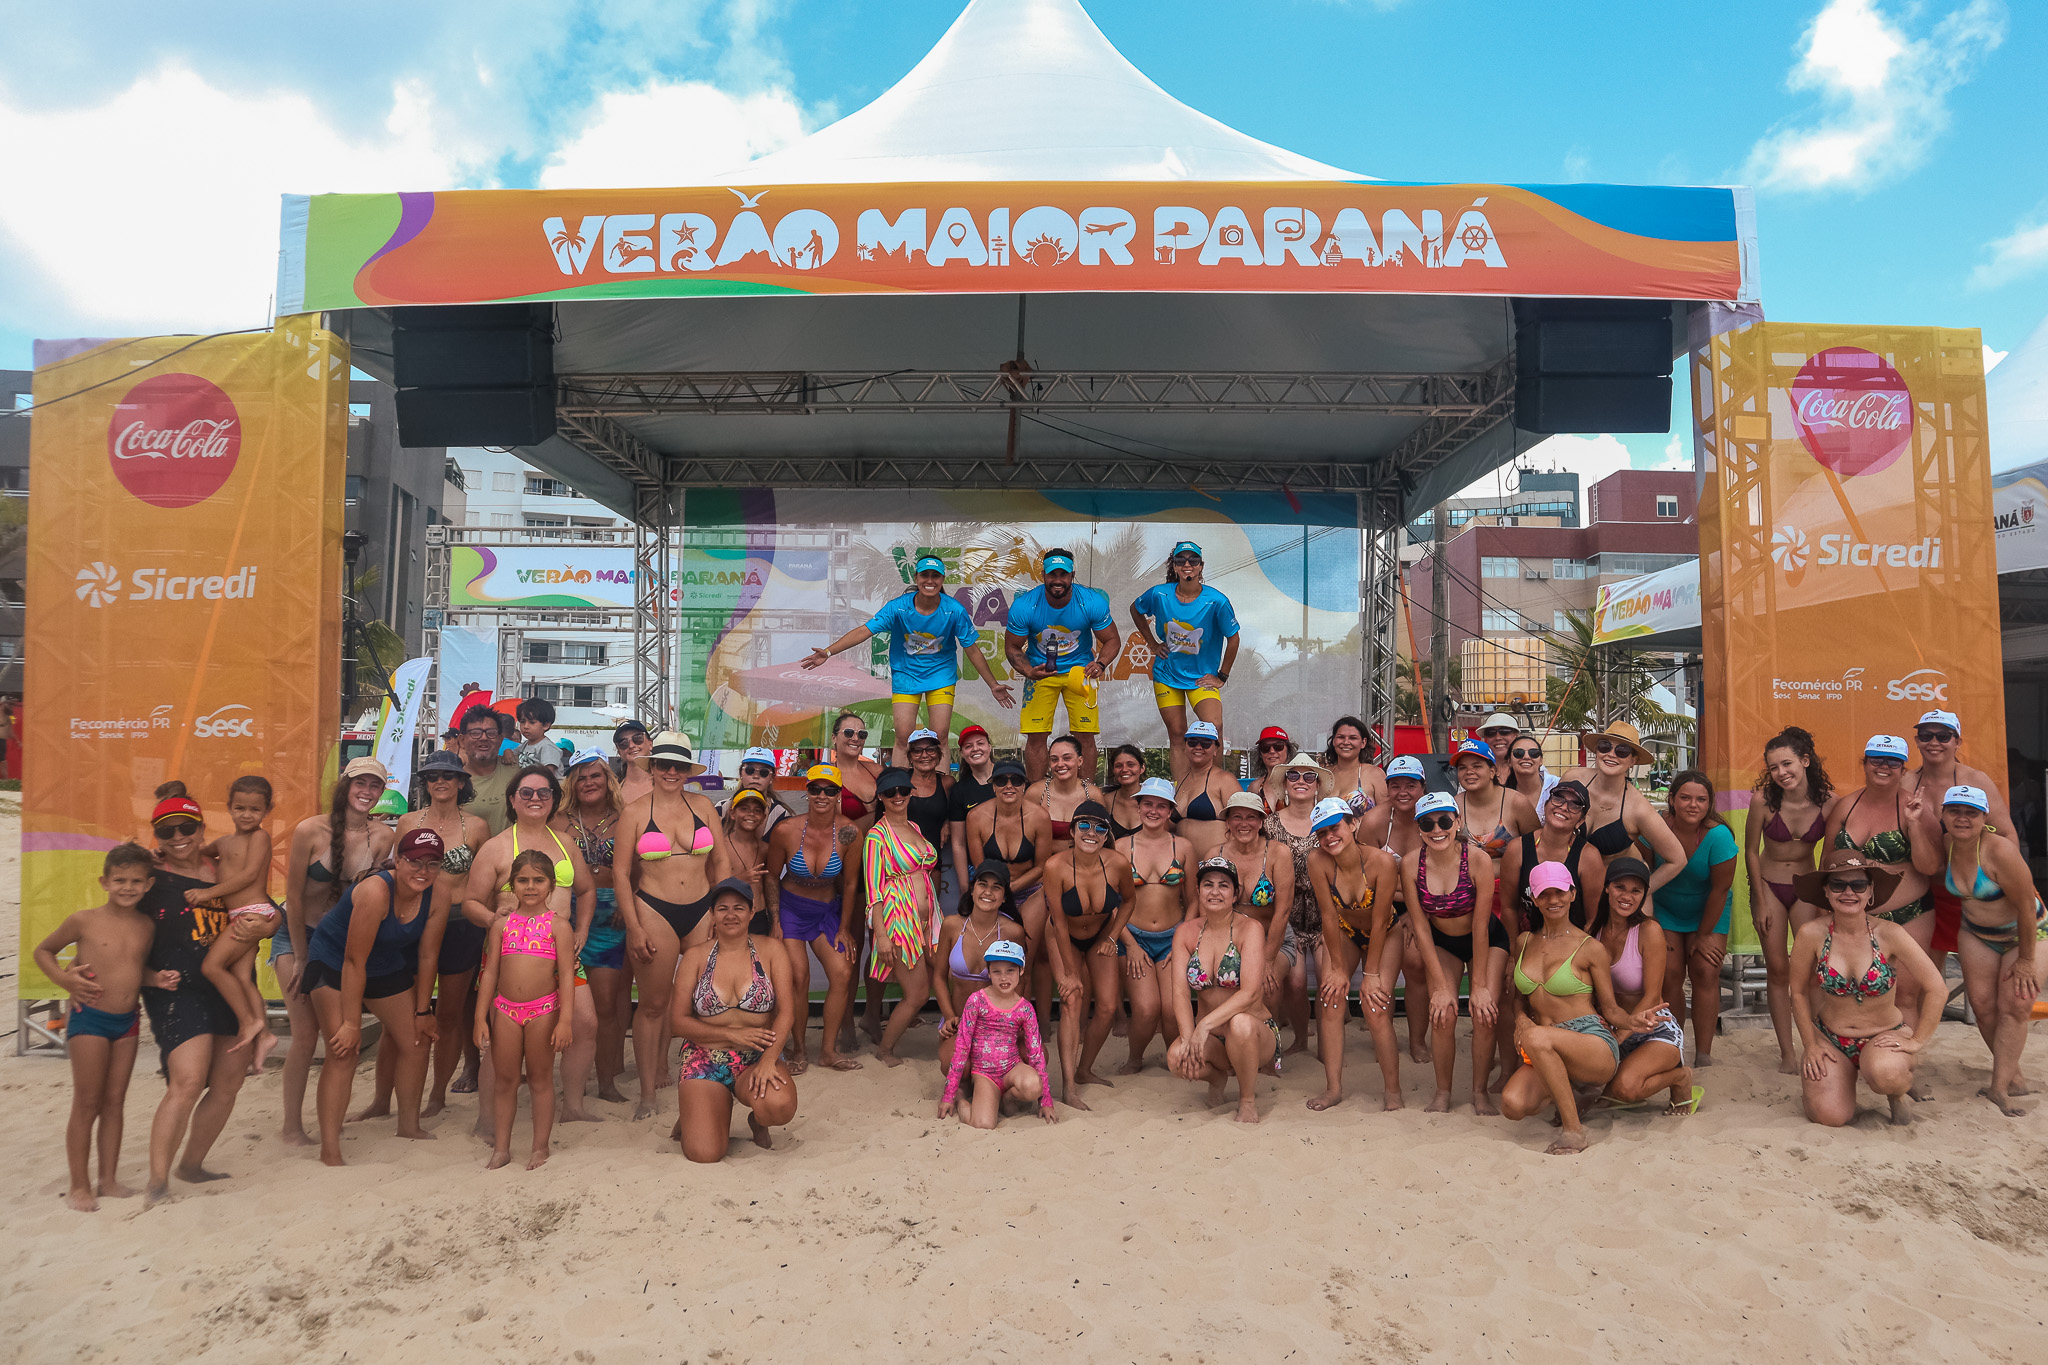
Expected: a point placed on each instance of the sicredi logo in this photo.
(1788, 548)
(1922, 684)
(174, 439)
(1791, 551)
(99, 585)
(233, 721)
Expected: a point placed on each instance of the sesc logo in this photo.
(1922, 684)
(1788, 548)
(233, 721)
(99, 584)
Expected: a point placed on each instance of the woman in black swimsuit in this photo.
(1617, 813)
(1787, 822)
(1120, 793)
(1560, 839)
(1200, 787)
(344, 838)
(1089, 891)
(1020, 835)
(448, 786)
(931, 798)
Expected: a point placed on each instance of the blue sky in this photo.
(1900, 175)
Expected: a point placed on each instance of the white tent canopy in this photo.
(2016, 397)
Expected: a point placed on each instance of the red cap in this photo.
(1274, 732)
(176, 807)
(973, 730)
(422, 844)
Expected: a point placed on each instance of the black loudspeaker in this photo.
(475, 375)
(1592, 365)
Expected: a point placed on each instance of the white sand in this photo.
(1152, 1230)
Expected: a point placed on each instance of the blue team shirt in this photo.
(1062, 637)
(1191, 633)
(923, 650)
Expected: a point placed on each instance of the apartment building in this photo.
(1537, 498)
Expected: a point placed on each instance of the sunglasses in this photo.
(853, 734)
(1301, 777)
(1201, 744)
(1574, 807)
(1186, 559)
(756, 770)
(669, 765)
(822, 790)
(533, 793)
(1838, 885)
(1090, 827)
(1266, 744)
(1879, 761)
(432, 778)
(1525, 753)
(1006, 780)
(1935, 736)
(895, 794)
(1494, 733)
(179, 829)
(1608, 746)
(1428, 823)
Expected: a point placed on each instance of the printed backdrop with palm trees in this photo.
(768, 575)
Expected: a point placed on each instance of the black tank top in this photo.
(1531, 920)
(929, 814)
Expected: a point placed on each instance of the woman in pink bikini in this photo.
(528, 971)
(1652, 1059)
(1787, 821)
(737, 1011)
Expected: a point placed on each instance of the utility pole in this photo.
(1439, 640)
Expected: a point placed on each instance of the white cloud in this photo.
(1884, 95)
(1592, 458)
(672, 134)
(2021, 252)
(159, 207)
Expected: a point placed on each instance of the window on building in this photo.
(1508, 621)
(10, 592)
(502, 519)
(358, 412)
(472, 517)
(1667, 505)
(541, 487)
(1501, 567)
(579, 652)
(1561, 622)
(10, 649)
(621, 695)
(540, 651)
(352, 488)
(565, 694)
(1634, 564)
(546, 521)
(1567, 568)
(502, 482)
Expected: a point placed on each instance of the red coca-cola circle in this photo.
(174, 439)
(1853, 410)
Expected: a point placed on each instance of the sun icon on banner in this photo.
(1788, 548)
(99, 584)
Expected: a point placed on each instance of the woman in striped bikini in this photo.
(903, 905)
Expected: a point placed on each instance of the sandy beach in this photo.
(1151, 1229)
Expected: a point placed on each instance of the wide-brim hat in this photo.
(673, 746)
(1326, 782)
(1813, 886)
(1624, 732)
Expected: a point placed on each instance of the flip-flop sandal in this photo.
(1691, 1106)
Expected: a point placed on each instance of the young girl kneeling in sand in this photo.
(999, 1043)
(529, 971)
(244, 859)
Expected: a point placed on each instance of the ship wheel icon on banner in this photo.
(1788, 548)
(99, 584)
(1475, 236)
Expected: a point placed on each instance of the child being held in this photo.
(104, 982)
(244, 858)
(999, 1045)
(535, 749)
(524, 993)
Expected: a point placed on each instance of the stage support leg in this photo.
(1380, 521)
(656, 514)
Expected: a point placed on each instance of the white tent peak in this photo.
(1021, 90)
(2016, 394)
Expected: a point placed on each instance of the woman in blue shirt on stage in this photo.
(926, 629)
(1192, 633)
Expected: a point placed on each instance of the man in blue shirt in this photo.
(1048, 642)
(1192, 633)
(926, 631)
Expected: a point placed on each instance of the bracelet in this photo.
(421, 1014)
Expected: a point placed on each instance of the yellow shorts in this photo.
(1173, 696)
(942, 697)
(1042, 700)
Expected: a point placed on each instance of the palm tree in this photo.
(1602, 684)
(378, 647)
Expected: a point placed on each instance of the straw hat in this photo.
(1813, 886)
(1626, 733)
(1326, 783)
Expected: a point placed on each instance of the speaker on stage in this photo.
(474, 375)
(1592, 365)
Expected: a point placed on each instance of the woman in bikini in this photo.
(1787, 822)
(329, 853)
(737, 1006)
(1090, 894)
(1354, 889)
(1561, 973)
(462, 943)
(671, 853)
(1126, 775)
(931, 802)
(2003, 924)
(1063, 788)
(1884, 820)
(1451, 883)
(1652, 1059)
(1526, 773)
(817, 899)
(1617, 813)
(1494, 816)
(1224, 1028)
(989, 917)
(1162, 894)
(746, 815)
(1269, 760)
(1561, 838)
(1265, 876)
(529, 974)
(897, 867)
(593, 805)
(1390, 828)
(858, 804)
(1849, 1018)
(1018, 833)
(1290, 826)
(1200, 787)
(1695, 907)
(1362, 784)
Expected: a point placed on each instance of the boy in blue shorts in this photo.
(1191, 630)
(1060, 639)
(104, 982)
(926, 631)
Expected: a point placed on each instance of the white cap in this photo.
(1159, 787)
(1972, 797)
(1948, 718)
(1407, 765)
(589, 756)
(1201, 729)
(917, 735)
(759, 755)
(1432, 802)
(1329, 811)
(1885, 746)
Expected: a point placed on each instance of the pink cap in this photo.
(1550, 877)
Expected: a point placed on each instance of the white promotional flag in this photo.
(395, 725)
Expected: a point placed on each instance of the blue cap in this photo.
(1004, 950)
(1973, 797)
(1885, 746)
(1202, 729)
(1059, 562)
(920, 736)
(1478, 749)
(1331, 810)
(1407, 765)
(759, 755)
(1159, 787)
(931, 562)
(1185, 547)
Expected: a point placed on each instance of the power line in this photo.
(128, 374)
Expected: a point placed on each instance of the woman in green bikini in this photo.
(2003, 924)
(1560, 973)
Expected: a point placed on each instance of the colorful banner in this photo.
(468, 663)
(184, 594)
(2019, 515)
(1319, 237)
(1849, 567)
(1654, 604)
(767, 575)
(596, 578)
(395, 724)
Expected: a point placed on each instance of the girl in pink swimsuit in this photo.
(529, 969)
(999, 1045)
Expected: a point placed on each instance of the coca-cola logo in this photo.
(174, 440)
(1854, 411)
